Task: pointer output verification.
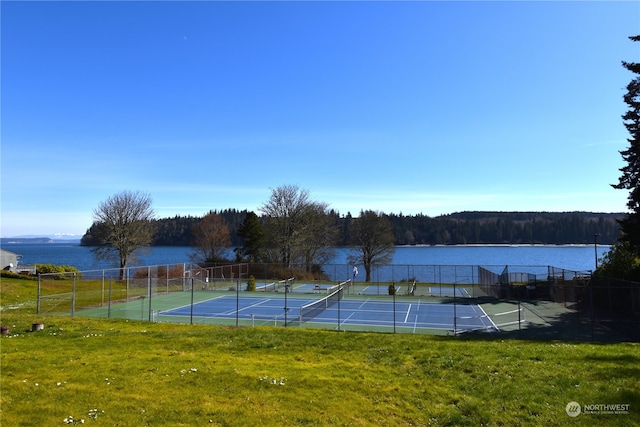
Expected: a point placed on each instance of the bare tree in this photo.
(123, 225)
(372, 235)
(318, 236)
(298, 228)
(211, 238)
(284, 213)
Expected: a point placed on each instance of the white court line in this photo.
(250, 306)
(344, 322)
(406, 317)
(363, 303)
(189, 305)
(485, 313)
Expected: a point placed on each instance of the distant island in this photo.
(14, 240)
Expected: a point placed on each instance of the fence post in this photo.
(340, 297)
(39, 294)
(473, 282)
(149, 281)
(455, 314)
(394, 307)
(191, 311)
(519, 318)
(286, 307)
(73, 295)
(591, 285)
(237, 304)
(184, 276)
(109, 302)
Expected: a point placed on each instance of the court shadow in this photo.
(544, 321)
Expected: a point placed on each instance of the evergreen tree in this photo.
(630, 179)
(252, 234)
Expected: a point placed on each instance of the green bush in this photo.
(62, 270)
(621, 262)
(251, 284)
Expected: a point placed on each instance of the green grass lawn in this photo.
(129, 373)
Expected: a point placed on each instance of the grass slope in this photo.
(125, 373)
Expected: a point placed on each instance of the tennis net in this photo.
(311, 310)
(268, 287)
(274, 286)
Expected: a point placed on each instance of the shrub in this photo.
(62, 270)
(251, 284)
(392, 289)
(621, 262)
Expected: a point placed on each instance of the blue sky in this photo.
(403, 107)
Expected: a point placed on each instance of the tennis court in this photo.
(427, 299)
(336, 312)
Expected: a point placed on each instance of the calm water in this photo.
(571, 257)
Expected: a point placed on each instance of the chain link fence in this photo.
(538, 302)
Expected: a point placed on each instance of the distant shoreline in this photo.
(46, 240)
(35, 240)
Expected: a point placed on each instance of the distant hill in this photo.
(524, 227)
(461, 228)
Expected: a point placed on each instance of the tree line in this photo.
(456, 228)
(294, 232)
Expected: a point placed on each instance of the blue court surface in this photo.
(415, 314)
